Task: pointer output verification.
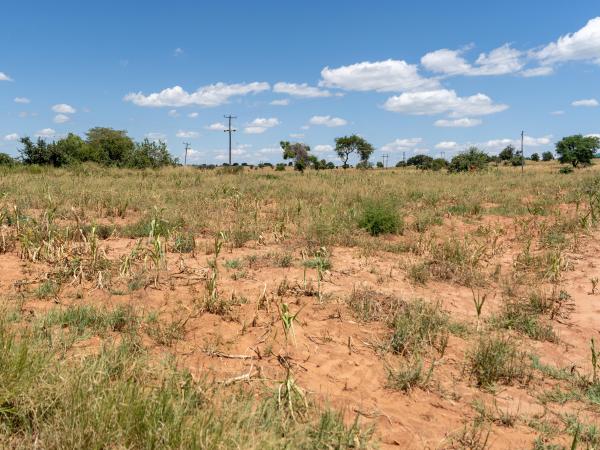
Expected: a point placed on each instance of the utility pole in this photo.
(187, 147)
(522, 154)
(443, 155)
(229, 130)
(404, 158)
(384, 159)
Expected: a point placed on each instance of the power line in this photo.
(187, 147)
(230, 130)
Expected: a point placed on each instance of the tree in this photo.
(577, 149)
(346, 145)
(6, 160)
(150, 154)
(110, 147)
(508, 153)
(298, 152)
(379, 165)
(471, 160)
(420, 161)
(547, 156)
(535, 157)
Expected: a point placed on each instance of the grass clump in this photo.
(417, 325)
(368, 305)
(497, 360)
(522, 315)
(378, 217)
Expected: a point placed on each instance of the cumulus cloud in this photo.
(557, 113)
(192, 115)
(541, 71)
(327, 121)
(4, 77)
(207, 96)
(260, 125)
(447, 145)
(300, 90)
(187, 134)
(296, 135)
(61, 118)
(465, 122)
(402, 144)
(11, 137)
(280, 102)
(500, 61)
(46, 133)
(442, 101)
(173, 113)
(217, 126)
(63, 108)
(528, 141)
(582, 45)
(590, 102)
(178, 52)
(156, 136)
(323, 148)
(383, 76)
(22, 100)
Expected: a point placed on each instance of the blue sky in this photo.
(408, 76)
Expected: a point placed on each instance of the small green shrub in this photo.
(379, 217)
(497, 360)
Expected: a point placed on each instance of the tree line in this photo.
(104, 146)
(110, 147)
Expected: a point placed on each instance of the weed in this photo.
(497, 360)
(378, 217)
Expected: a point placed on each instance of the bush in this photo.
(535, 157)
(379, 217)
(565, 169)
(547, 156)
(471, 160)
(420, 161)
(497, 360)
(6, 160)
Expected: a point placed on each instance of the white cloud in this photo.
(4, 77)
(156, 136)
(401, 144)
(300, 90)
(260, 125)
(541, 71)
(596, 135)
(557, 113)
(269, 151)
(323, 148)
(297, 135)
(45, 133)
(447, 145)
(178, 51)
(585, 102)
(500, 61)
(217, 126)
(63, 108)
(61, 118)
(208, 96)
(442, 101)
(23, 100)
(11, 137)
(465, 122)
(383, 76)
(327, 121)
(583, 45)
(187, 134)
(192, 115)
(173, 113)
(528, 141)
(281, 102)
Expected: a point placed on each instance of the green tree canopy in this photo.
(577, 149)
(507, 153)
(471, 160)
(547, 156)
(346, 145)
(111, 147)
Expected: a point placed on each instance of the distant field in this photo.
(398, 308)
